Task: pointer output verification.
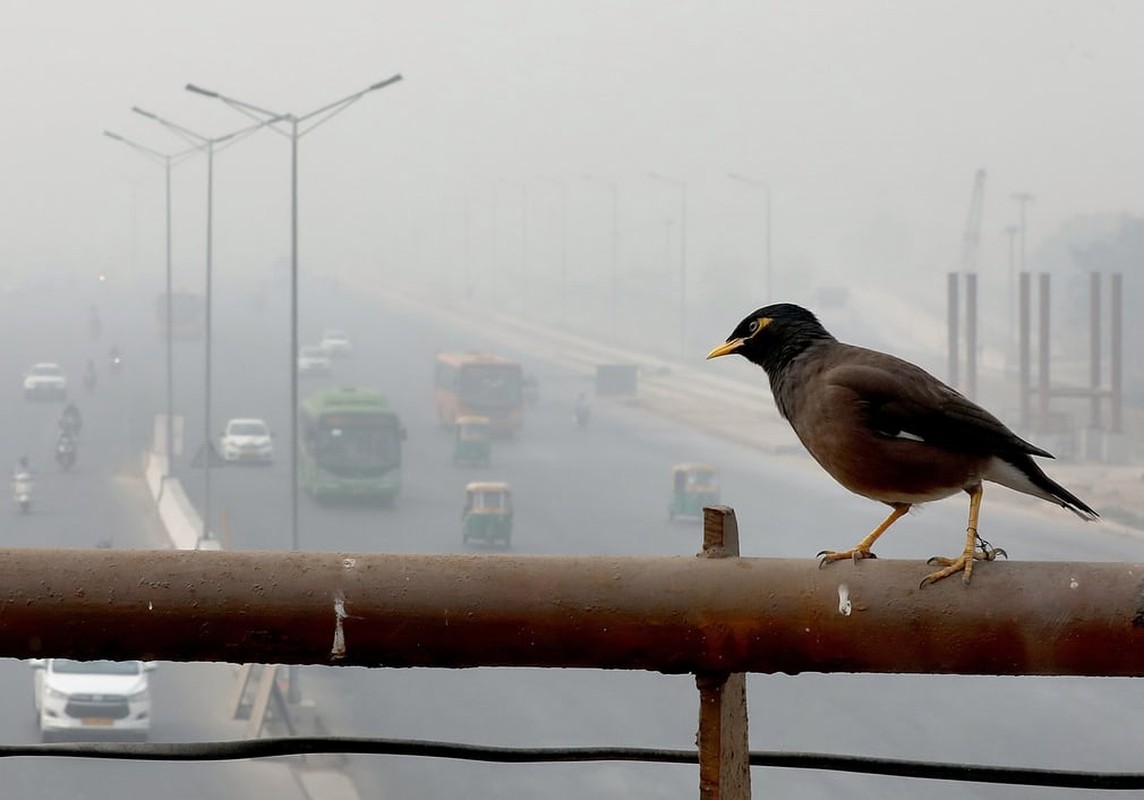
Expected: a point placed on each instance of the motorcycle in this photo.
(116, 363)
(22, 491)
(65, 452)
(70, 422)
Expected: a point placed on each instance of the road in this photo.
(602, 490)
(104, 497)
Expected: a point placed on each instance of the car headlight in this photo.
(55, 693)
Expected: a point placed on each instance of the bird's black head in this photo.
(773, 335)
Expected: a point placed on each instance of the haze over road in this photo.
(603, 490)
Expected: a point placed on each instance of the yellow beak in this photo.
(726, 348)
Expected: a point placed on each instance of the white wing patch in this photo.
(1002, 472)
(909, 437)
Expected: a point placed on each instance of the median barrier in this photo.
(182, 521)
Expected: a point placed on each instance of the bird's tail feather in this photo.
(1023, 475)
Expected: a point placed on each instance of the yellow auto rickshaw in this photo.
(487, 517)
(693, 486)
(472, 443)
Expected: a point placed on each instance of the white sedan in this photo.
(247, 440)
(314, 361)
(337, 342)
(45, 380)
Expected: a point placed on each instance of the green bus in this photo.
(349, 445)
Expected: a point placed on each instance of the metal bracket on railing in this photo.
(724, 747)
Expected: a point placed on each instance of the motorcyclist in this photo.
(23, 468)
(65, 449)
(116, 357)
(71, 420)
(22, 485)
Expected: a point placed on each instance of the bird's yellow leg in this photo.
(964, 562)
(862, 549)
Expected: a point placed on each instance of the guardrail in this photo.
(714, 617)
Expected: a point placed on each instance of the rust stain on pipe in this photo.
(671, 614)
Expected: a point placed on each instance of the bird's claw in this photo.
(826, 556)
(988, 551)
(979, 550)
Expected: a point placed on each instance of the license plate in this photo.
(97, 721)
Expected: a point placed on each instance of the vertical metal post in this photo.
(952, 321)
(563, 252)
(724, 746)
(293, 691)
(524, 241)
(971, 335)
(1010, 310)
(1116, 352)
(1043, 350)
(1023, 355)
(1094, 376)
(208, 447)
(170, 432)
(683, 271)
(615, 256)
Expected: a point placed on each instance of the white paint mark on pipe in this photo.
(339, 648)
(844, 606)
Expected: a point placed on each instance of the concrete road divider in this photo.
(180, 519)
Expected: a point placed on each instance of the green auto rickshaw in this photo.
(472, 443)
(693, 486)
(487, 517)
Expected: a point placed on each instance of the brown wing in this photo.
(901, 400)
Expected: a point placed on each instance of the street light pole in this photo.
(166, 159)
(563, 243)
(682, 186)
(201, 142)
(767, 188)
(319, 115)
(1011, 232)
(615, 247)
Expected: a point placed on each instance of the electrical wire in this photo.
(312, 745)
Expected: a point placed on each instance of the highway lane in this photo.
(104, 497)
(603, 490)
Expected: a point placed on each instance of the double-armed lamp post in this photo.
(298, 126)
(208, 144)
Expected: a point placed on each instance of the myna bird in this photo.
(888, 430)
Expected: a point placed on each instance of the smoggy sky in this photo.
(867, 120)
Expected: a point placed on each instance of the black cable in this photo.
(308, 745)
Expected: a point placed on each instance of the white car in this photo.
(314, 361)
(247, 439)
(87, 699)
(45, 381)
(337, 342)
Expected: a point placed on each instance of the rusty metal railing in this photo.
(716, 617)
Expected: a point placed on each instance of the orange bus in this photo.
(479, 384)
